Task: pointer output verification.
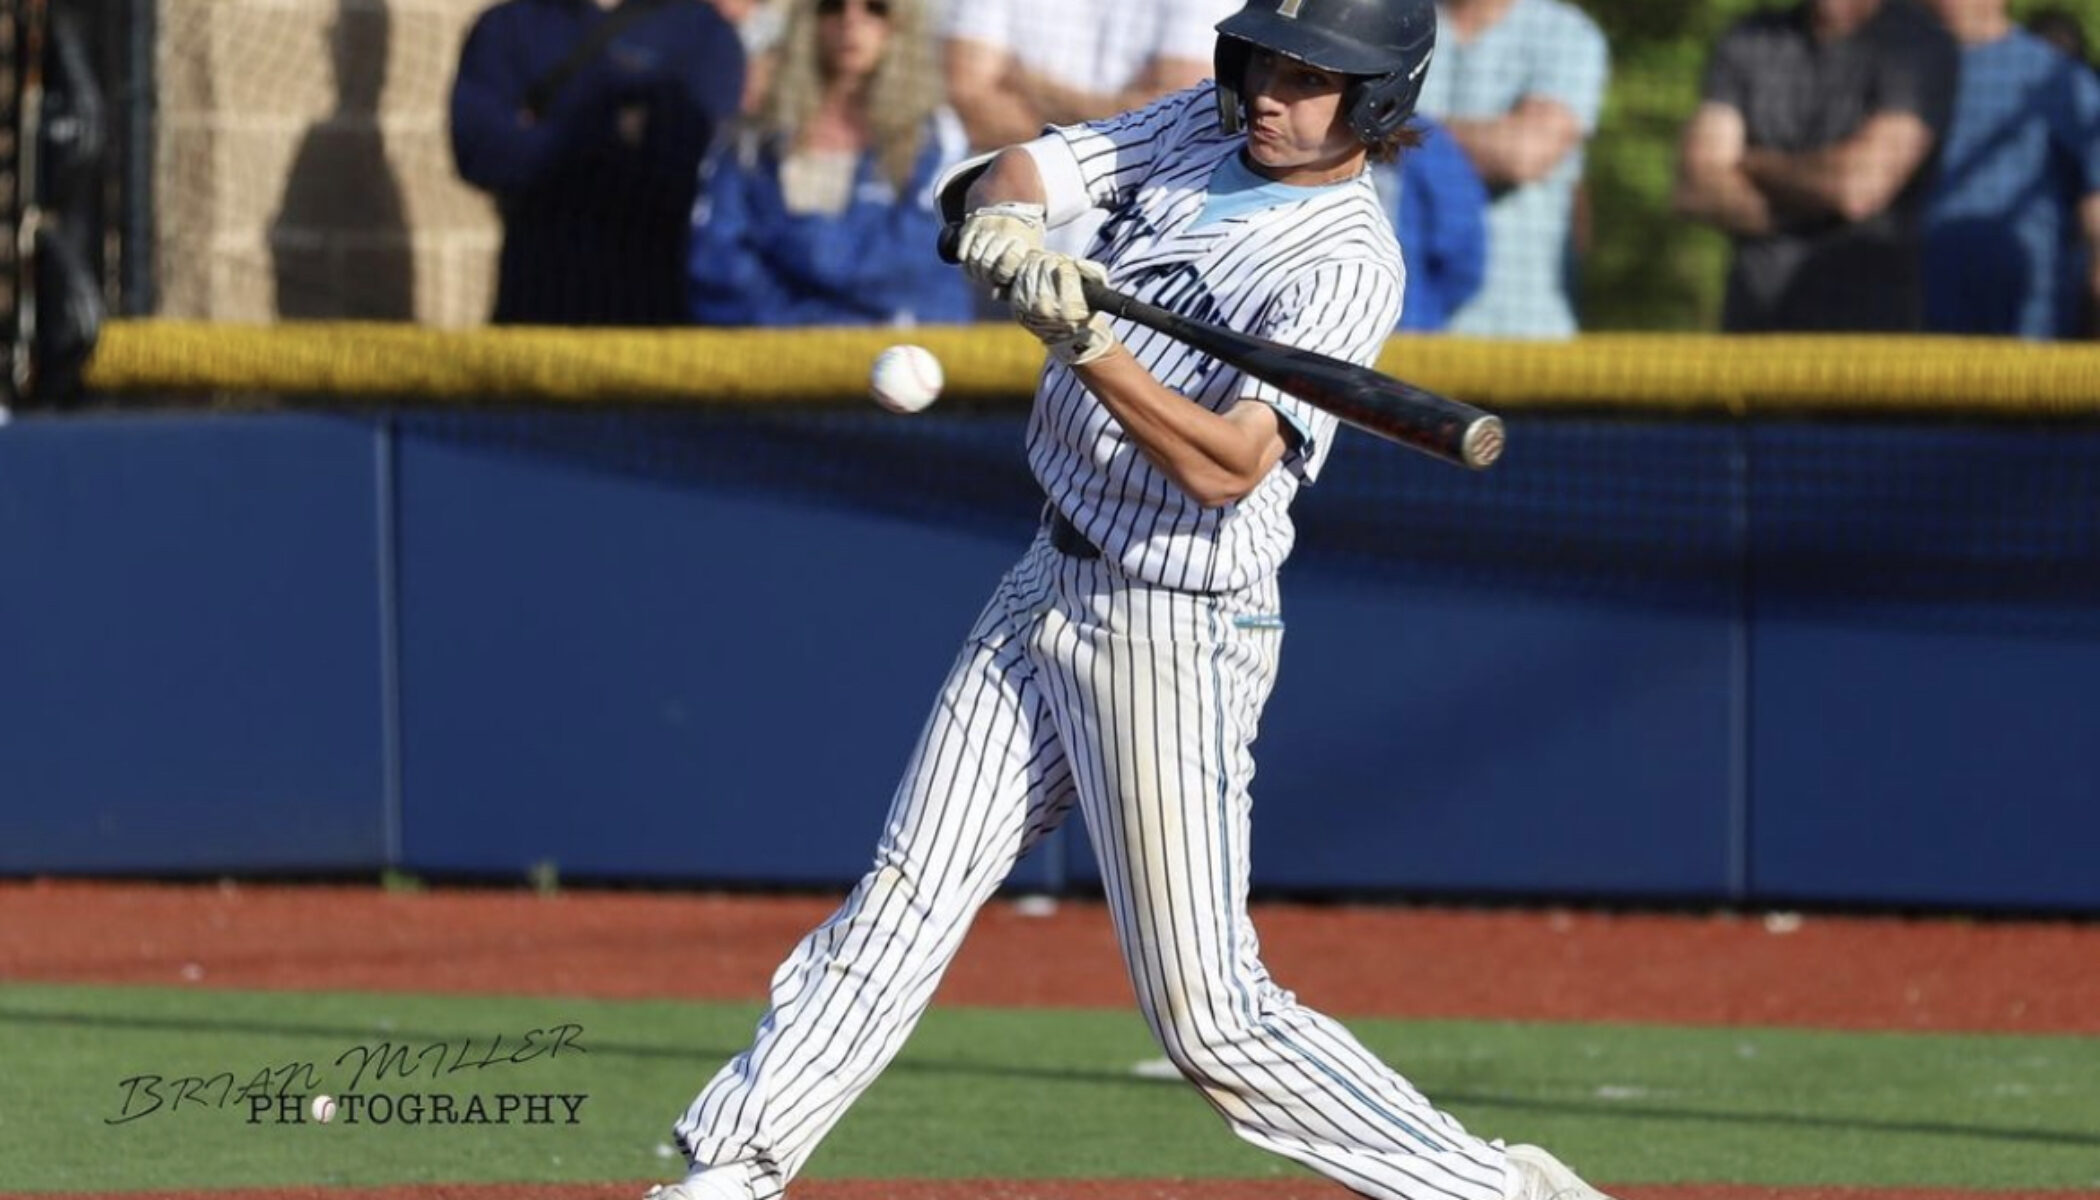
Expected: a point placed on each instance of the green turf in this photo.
(1020, 1094)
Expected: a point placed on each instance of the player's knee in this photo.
(892, 881)
(1208, 1048)
(888, 898)
(1196, 1062)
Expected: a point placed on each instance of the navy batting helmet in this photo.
(1385, 44)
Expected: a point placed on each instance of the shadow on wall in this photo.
(339, 243)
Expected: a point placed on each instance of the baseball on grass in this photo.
(905, 379)
(324, 1108)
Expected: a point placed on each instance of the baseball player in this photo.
(1123, 662)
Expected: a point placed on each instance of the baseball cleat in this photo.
(704, 1184)
(1540, 1176)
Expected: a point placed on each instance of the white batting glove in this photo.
(1049, 287)
(996, 239)
(1073, 342)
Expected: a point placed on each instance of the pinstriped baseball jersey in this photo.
(1129, 684)
(1312, 267)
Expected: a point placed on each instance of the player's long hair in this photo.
(1388, 148)
(904, 93)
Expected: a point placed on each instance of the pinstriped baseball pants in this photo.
(1141, 704)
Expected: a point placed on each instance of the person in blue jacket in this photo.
(1439, 210)
(587, 122)
(822, 212)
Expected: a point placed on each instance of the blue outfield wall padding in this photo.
(1837, 662)
(1520, 682)
(1926, 665)
(662, 652)
(1441, 740)
(189, 645)
(703, 646)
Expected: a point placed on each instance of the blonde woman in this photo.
(821, 211)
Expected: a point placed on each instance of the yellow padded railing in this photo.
(1631, 373)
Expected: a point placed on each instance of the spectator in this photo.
(1439, 208)
(2061, 28)
(2013, 220)
(759, 24)
(822, 212)
(586, 120)
(1813, 147)
(1016, 67)
(1519, 84)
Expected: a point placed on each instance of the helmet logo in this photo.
(1289, 8)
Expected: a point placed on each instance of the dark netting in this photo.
(1953, 524)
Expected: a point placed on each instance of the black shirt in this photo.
(1798, 94)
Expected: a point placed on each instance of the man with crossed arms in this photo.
(1814, 148)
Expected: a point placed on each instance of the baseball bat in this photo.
(1374, 402)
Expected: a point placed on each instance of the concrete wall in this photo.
(304, 168)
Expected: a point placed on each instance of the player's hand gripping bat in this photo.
(1373, 402)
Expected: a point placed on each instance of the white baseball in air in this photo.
(324, 1108)
(905, 379)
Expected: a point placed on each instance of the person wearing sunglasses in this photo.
(820, 211)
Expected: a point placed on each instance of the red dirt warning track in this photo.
(1830, 972)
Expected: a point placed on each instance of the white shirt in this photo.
(1093, 45)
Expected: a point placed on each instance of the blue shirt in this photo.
(754, 262)
(1543, 48)
(1439, 209)
(596, 194)
(2004, 253)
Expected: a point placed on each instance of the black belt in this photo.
(1066, 537)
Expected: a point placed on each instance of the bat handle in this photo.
(1099, 296)
(1102, 298)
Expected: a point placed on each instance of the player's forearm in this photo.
(1215, 459)
(1012, 178)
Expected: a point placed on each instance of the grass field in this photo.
(978, 1089)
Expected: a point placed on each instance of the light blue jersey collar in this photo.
(1235, 190)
